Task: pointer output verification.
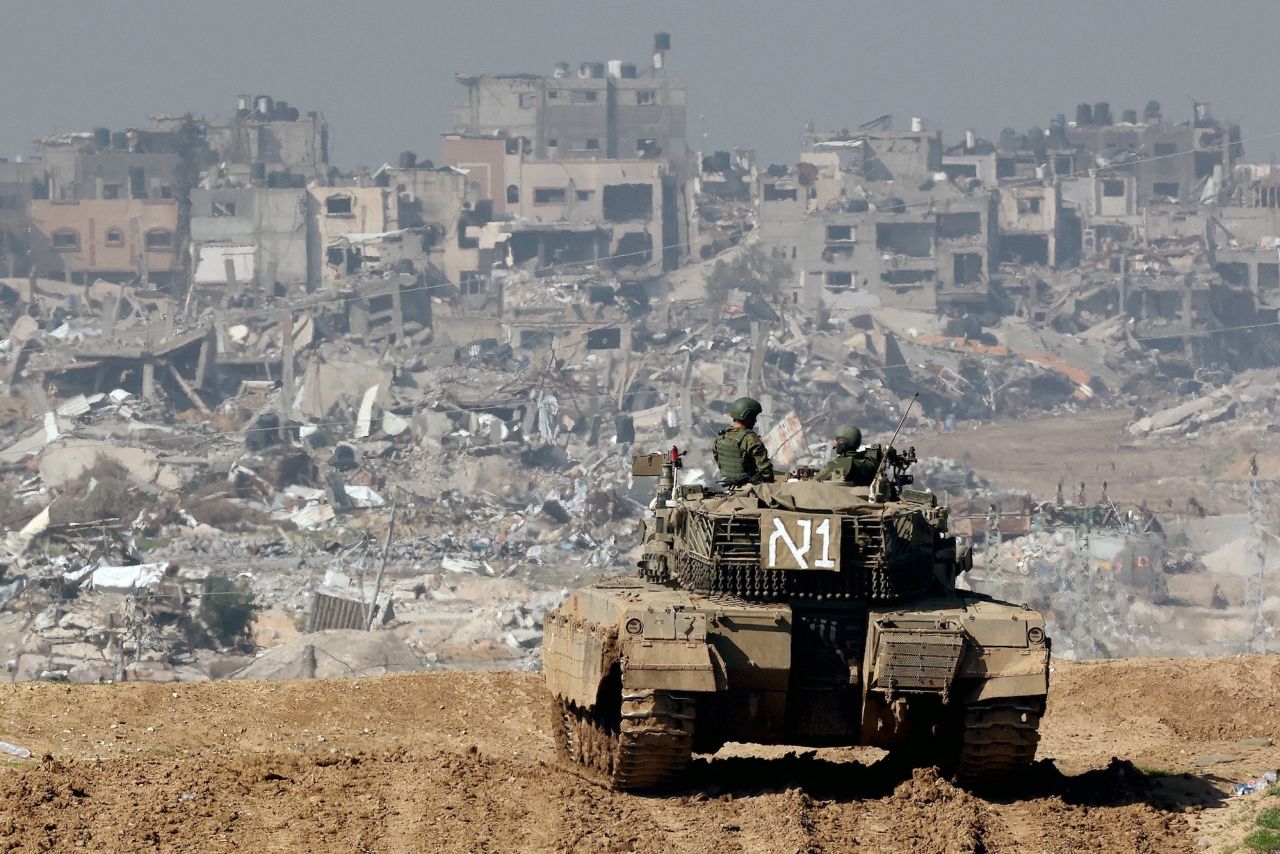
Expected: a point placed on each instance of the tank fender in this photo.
(577, 655)
(666, 649)
(668, 666)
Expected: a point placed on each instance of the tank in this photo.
(795, 612)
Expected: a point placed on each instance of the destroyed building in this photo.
(265, 140)
(262, 232)
(567, 211)
(869, 218)
(602, 111)
(280, 352)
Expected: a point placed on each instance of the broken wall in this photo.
(272, 221)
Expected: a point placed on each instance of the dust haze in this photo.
(415, 342)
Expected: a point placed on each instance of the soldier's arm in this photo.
(760, 455)
(826, 472)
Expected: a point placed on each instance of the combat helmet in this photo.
(745, 409)
(850, 435)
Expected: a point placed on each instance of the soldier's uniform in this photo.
(742, 457)
(739, 452)
(857, 468)
(851, 466)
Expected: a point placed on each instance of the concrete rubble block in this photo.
(150, 672)
(65, 461)
(79, 650)
(86, 673)
(394, 425)
(337, 654)
(1201, 410)
(76, 621)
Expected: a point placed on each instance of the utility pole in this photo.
(1257, 520)
(286, 371)
(382, 567)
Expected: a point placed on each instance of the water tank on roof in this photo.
(1102, 113)
(291, 115)
(120, 141)
(102, 137)
(244, 102)
(1084, 115)
(615, 68)
(562, 70)
(1152, 112)
(662, 41)
(280, 110)
(590, 70)
(263, 105)
(408, 160)
(1129, 117)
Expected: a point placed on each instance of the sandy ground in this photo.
(463, 762)
(1033, 454)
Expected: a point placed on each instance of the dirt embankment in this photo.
(463, 762)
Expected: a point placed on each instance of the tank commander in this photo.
(739, 452)
(851, 466)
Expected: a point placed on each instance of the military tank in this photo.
(801, 613)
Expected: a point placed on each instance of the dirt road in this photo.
(463, 762)
(1033, 454)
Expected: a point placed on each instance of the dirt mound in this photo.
(463, 762)
(1197, 698)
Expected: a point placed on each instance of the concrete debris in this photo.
(432, 383)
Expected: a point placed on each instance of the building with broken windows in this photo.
(608, 110)
(261, 232)
(16, 181)
(870, 218)
(566, 212)
(600, 111)
(128, 164)
(265, 140)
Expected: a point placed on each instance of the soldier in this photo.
(851, 466)
(739, 452)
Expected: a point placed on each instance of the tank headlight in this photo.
(635, 627)
(1035, 634)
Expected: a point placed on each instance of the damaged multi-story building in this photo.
(869, 218)
(108, 205)
(617, 133)
(265, 140)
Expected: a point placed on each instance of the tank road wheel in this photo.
(999, 738)
(648, 744)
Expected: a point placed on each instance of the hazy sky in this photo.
(382, 70)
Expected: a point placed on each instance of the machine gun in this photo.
(883, 488)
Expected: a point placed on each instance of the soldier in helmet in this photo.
(739, 452)
(851, 466)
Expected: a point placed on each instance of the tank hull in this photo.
(806, 674)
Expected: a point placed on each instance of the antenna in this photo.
(877, 483)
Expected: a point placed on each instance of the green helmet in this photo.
(850, 435)
(745, 409)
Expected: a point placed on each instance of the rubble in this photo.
(291, 355)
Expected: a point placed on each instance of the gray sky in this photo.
(382, 70)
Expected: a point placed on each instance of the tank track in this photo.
(999, 737)
(649, 746)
